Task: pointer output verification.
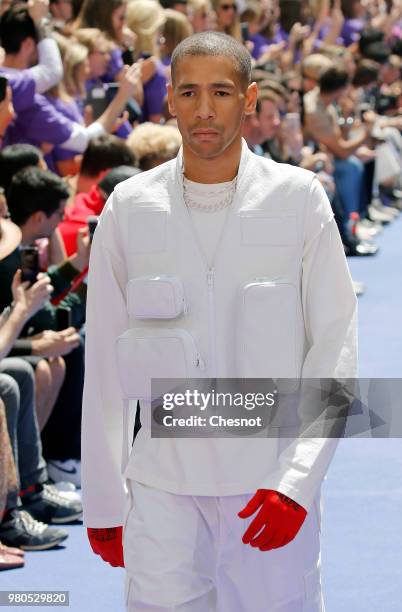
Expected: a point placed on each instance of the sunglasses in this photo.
(227, 7)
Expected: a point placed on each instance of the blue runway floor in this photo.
(362, 522)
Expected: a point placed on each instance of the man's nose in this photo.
(205, 107)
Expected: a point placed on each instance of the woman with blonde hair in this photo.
(175, 29)
(146, 18)
(227, 18)
(153, 144)
(109, 17)
(201, 15)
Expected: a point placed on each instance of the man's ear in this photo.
(170, 100)
(37, 217)
(251, 98)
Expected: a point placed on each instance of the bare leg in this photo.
(49, 377)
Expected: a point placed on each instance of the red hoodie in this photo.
(85, 205)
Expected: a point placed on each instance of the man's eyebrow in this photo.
(219, 85)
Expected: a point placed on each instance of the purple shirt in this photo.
(114, 67)
(23, 87)
(71, 110)
(39, 123)
(351, 31)
(154, 93)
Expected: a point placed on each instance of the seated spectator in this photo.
(10, 558)
(41, 501)
(90, 204)
(102, 154)
(15, 157)
(110, 18)
(36, 200)
(253, 15)
(175, 29)
(201, 16)
(12, 159)
(312, 68)
(153, 145)
(145, 18)
(227, 18)
(37, 121)
(321, 124)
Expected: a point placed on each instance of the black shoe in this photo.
(47, 505)
(20, 529)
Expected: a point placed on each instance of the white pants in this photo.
(185, 553)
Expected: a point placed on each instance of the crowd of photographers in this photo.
(82, 108)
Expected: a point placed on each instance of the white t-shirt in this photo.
(208, 205)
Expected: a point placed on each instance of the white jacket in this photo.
(278, 302)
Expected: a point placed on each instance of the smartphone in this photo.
(29, 263)
(244, 31)
(63, 317)
(92, 225)
(3, 87)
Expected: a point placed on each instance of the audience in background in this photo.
(84, 108)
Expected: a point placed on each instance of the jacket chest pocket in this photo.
(259, 228)
(147, 230)
(267, 340)
(143, 354)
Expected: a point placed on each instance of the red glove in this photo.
(108, 543)
(279, 518)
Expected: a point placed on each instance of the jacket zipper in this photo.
(211, 320)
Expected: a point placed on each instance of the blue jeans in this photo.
(349, 181)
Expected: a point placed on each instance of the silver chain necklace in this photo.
(226, 201)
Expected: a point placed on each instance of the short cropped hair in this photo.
(33, 190)
(16, 25)
(14, 158)
(333, 79)
(215, 44)
(103, 153)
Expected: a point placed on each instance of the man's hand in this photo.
(108, 543)
(131, 84)
(50, 343)
(30, 299)
(277, 522)
(80, 260)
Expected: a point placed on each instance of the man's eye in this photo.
(222, 93)
(187, 94)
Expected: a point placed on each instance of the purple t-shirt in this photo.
(39, 123)
(23, 87)
(114, 67)
(351, 31)
(154, 93)
(71, 110)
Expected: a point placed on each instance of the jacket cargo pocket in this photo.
(155, 297)
(143, 354)
(267, 333)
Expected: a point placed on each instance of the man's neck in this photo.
(327, 99)
(15, 61)
(218, 169)
(27, 237)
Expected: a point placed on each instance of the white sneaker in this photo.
(66, 471)
(68, 490)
